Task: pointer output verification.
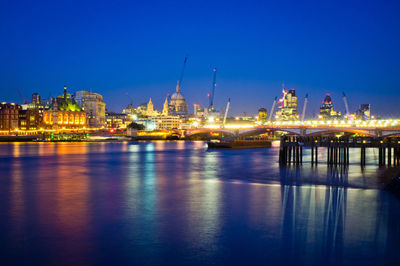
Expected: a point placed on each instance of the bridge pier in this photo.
(338, 150)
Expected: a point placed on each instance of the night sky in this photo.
(114, 47)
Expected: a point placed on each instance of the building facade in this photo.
(30, 119)
(31, 115)
(94, 107)
(36, 99)
(364, 113)
(117, 120)
(326, 110)
(287, 106)
(178, 104)
(9, 116)
(169, 122)
(262, 114)
(64, 112)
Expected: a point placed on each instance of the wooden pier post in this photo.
(328, 158)
(362, 160)
(312, 154)
(335, 151)
(383, 156)
(301, 154)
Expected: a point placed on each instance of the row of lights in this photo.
(357, 123)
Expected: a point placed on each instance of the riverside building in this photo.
(94, 107)
(177, 105)
(64, 113)
(9, 116)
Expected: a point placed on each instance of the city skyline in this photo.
(173, 132)
(315, 48)
(315, 109)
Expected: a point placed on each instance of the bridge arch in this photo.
(194, 132)
(391, 134)
(260, 130)
(338, 130)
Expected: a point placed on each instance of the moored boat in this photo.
(239, 144)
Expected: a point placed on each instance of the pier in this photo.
(337, 149)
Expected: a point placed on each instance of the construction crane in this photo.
(211, 105)
(346, 105)
(304, 107)
(25, 101)
(183, 71)
(272, 109)
(226, 111)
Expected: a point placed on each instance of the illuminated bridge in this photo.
(372, 128)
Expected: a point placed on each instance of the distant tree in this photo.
(136, 126)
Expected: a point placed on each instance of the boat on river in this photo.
(239, 144)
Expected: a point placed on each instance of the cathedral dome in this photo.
(178, 102)
(177, 96)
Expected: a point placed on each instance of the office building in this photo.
(94, 107)
(287, 106)
(326, 111)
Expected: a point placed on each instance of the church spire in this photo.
(165, 110)
(150, 108)
(178, 89)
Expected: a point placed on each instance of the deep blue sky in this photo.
(114, 47)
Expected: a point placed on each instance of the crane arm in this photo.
(304, 108)
(214, 84)
(272, 110)
(183, 71)
(20, 95)
(346, 104)
(226, 111)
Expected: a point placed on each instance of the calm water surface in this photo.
(176, 203)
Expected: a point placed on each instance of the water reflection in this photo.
(177, 203)
(17, 200)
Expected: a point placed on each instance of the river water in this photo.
(175, 203)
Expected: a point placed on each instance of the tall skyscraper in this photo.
(262, 114)
(326, 110)
(364, 112)
(36, 98)
(287, 106)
